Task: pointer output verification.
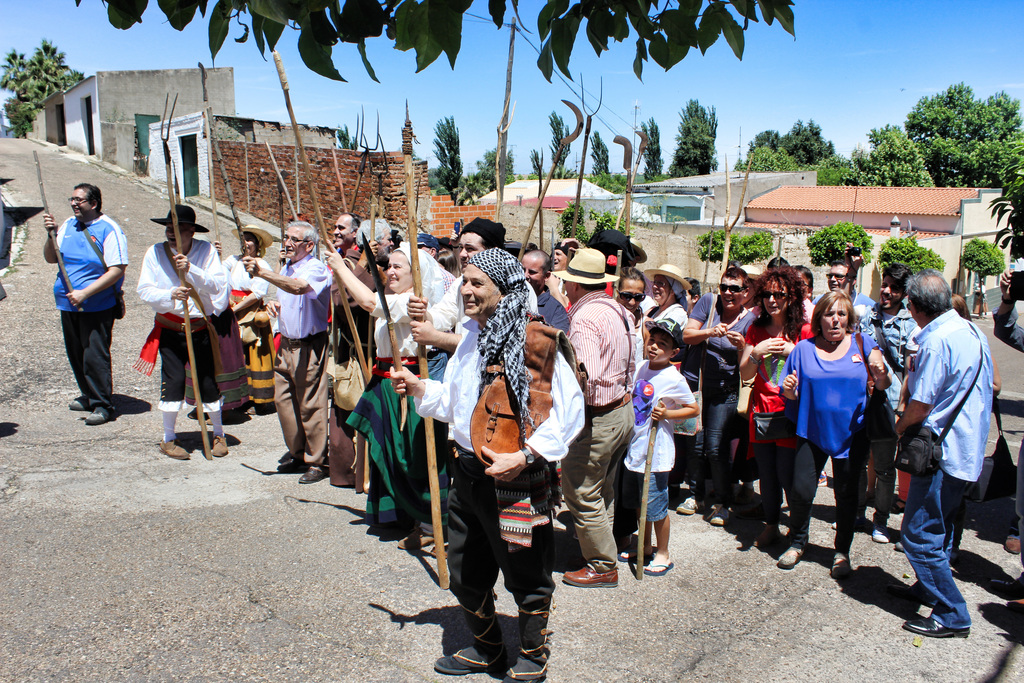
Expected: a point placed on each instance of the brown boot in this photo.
(172, 450)
(219, 448)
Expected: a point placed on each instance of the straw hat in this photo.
(752, 271)
(638, 251)
(263, 238)
(586, 267)
(670, 271)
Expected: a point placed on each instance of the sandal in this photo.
(659, 569)
(629, 556)
(790, 558)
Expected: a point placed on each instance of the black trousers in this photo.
(174, 357)
(87, 342)
(477, 552)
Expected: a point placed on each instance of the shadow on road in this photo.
(867, 586)
(1011, 623)
(8, 429)
(129, 405)
(455, 635)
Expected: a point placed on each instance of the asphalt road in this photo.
(119, 564)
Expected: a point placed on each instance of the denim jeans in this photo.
(807, 466)
(775, 465)
(704, 452)
(927, 538)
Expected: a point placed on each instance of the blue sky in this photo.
(853, 66)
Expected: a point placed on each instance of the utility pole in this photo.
(499, 183)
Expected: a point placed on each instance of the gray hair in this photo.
(373, 232)
(929, 292)
(309, 233)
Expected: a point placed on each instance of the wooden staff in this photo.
(562, 144)
(341, 185)
(324, 235)
(645, 495)
(280, 181)
(421, 353)
(208, 126)
(215, 145)
(187, 322)
(53, 235)
(739, 210)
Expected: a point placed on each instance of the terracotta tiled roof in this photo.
(919, 201)
(878, 232)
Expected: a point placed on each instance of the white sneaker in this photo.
(720, 516)
(688, 507)
(880, 534)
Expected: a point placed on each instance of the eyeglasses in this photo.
(289, 238)
(628, 296)
(735, 289)
(78, 200)
(778, 296)
(835, 276)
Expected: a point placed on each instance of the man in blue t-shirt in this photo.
(95, 255)
(842, 275)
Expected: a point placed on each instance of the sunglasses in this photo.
(735, 289)
(630, 296)
(835, 276)
(778, 296)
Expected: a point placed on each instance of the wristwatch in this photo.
(530, 457)
(1008, 302)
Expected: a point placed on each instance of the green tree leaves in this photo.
(695, 141)
(907, 251)
(1010, 205)
(895, 161)
(32, 81)
(449, 160)
(652, 153)
(983, 258)
(966, 142)
(746, 249)
(599, 155)
(829, 244)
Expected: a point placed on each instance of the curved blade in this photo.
(643, 144)
(627, 147)
(579, 123)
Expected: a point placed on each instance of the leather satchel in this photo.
(494, 423)
(919, 450)
(773, 426)
(998, 473)
(879, 417)
(347, 384)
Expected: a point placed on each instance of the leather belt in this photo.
(296, 343)
(594, 411)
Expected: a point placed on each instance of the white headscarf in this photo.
(430, 274)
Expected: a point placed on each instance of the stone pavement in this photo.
(120, 564)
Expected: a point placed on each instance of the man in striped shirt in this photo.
(601, 333)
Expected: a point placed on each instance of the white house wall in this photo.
(74, 125)
(190, 124)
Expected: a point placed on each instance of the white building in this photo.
(189, 154)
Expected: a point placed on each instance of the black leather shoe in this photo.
(471, 661)
(932, 629)
(1012, 589)
(901, 590)
(99, 416)
(292, 466)
(313, 475)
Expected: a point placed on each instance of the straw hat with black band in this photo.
(670, 271)
(263, 238)
(587, 268)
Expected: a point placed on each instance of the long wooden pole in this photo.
(280, 181)
(223, 173)
(324, 235)
(207, 128)
(53, 235)
(502, 160)
(341, 185)
(187, 322)
(645, 494)
(421, 354)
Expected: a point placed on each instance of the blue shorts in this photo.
(657, 501)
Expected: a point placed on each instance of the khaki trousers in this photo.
(588, 483)
(300, 396)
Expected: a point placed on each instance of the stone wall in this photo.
(255, 188)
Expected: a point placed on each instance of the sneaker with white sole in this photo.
(719, 516)
(689, 506)
(880, 534)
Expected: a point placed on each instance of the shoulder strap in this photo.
(704, 344)
(864, 358)
(92, 243)
(981, 362)
(883, 344)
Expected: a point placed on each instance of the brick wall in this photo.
(255, 186)
(444, 213)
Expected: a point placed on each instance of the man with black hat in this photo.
(300, 378)
(95, 254)
(601, 331)
(206, 295)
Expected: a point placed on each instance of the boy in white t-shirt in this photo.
(659, 393)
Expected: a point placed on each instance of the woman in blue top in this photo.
(826, 391)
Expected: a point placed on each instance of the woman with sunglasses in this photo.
(715, 334)
(631, 295)
(770, 339)
(825, 385)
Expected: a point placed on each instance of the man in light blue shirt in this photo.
(952, 362)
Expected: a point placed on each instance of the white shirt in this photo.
(398, 306)
(239, 278)
(205, 272)
(454, 400)
(668, 386)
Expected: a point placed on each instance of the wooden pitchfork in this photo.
(562, 145)
(165, 136)
(53, 235)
